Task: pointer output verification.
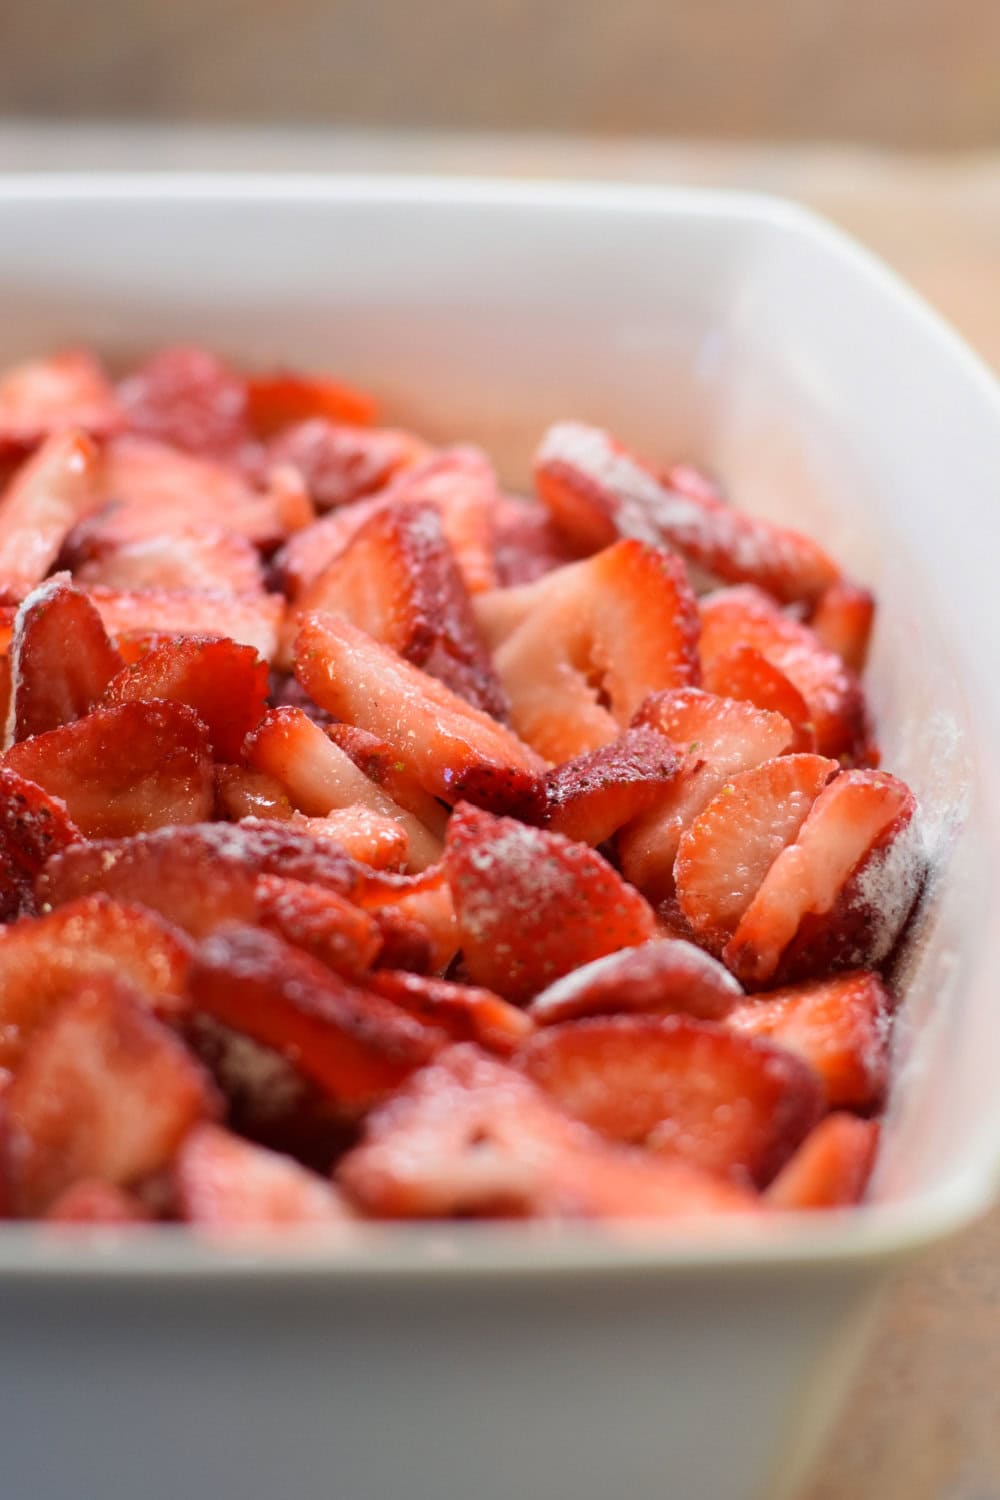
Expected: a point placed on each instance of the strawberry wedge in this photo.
(455, 750)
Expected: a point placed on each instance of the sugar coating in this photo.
(887, 886)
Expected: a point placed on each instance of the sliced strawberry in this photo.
(44, 396)
(46, 497)
(266, 1098)
(690, 1088)
(745, 674)
(454, 749)
(459, 482)
(198, 878)
(125, 769)
(382, 765)
(320, 922)
(596, 491)
(746, 617)
(528, 543)
(842, 622)
(136, 617)
(725, 852)
(279, 400)
(357, 1046)
(190, 399)
(45, 959)
(103, 1090)
(61, 660)
(840, 1026)
(531, 905)
(468, 1136)
(591, 797)
(398, 580)
(423, 904)
(465, 1012)
(499, 612)
(33, 826)
(370, 837)
(224, 683)
(240, 793)
(226, 1183)
(836, 898)
(664, 977)
(195, 556)
(93, 1201)
(319, 777)
(179, 489)
(719, 737)
(341, 463)
(616, 628)
(831, 1168)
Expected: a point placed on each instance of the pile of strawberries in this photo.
(374, 843)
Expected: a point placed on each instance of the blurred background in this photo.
(918, 73)
(883, 114)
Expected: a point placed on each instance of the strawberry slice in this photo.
(663, 977)
(45, 959)
(124, 769)
(466, 1012)
(531, 905)
(196, 877)
(596, 491)
(226, 1183)
(719, 737)
(688, 1088)
(612, 629)
(468, 1136)
(840, 1026)
(103, 1090)
(46, 497)
(745, 674)
(320, 922)
(724, 854)
(528, 543)
(340, 463)
(842, 622)
(590, 797)
(398, 580)
(224, 683)
(746, 617)
(424, 904)
(92, 1201)
(382, 765)
(61, 660)
(127, 547)
(831, 1168)
(188, 398)
(455, 750)
(44, 396)
(372, 838)
(136, 617)
(279, 400)
(836, 898)
(355, 1045)
(240, 793)
(33, 826)
(319, 777)
(177, 490)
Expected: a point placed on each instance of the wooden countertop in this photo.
(923, 1422)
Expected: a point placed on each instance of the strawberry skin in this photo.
(225, 1183)
(60, 658)
(43, 396)
(590, 797)
(531, 905)
(596, 490)
(662, 977)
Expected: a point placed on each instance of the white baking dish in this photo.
(479, 1364)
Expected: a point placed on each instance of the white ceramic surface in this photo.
(485, 1365)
